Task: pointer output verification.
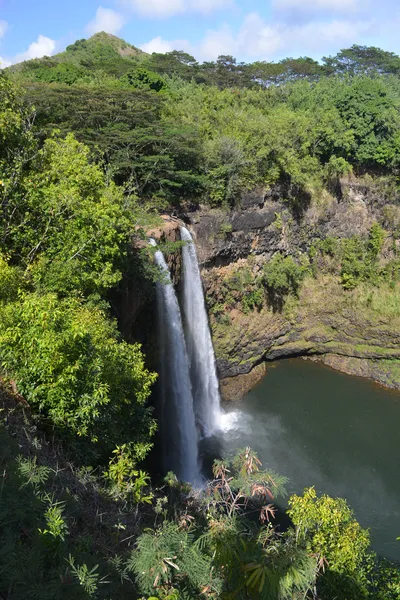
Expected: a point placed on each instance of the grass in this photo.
(383, 301)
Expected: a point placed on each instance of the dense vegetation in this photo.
(178, 131)
(94, 143)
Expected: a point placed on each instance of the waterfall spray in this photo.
(179, 432)
(199, 343)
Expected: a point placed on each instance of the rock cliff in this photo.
(355, 331)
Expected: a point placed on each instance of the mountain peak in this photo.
(104, 36)
(121, 46)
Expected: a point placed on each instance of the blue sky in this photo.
(248, 29)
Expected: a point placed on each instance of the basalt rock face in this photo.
(264, 224)
(344, 329)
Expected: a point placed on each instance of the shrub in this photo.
(282, 276)
(68, 362)
(328, 529)
(360, 258)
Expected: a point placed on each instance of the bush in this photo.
(355, 259)
(360, 258)
(282, 276)
(327, 528)
(68, 362)
(11, 280)
(71, 229)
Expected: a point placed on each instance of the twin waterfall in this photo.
(189, 391)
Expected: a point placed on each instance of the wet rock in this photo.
(234, 388)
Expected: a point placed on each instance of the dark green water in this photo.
(336, 432)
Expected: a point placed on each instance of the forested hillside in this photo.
(181, 131)
(96, 143)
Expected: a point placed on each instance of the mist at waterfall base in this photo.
(325, 429)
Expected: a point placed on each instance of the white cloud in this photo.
(158, 44)
(208, 6)
(216, 42)
(342, 6)
(317, 34)
(4, 63)
(107, 20)
(163, 9)
(3, 28)
(259, 39)
(44, 46)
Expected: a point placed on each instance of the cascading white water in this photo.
(179, 434)
(199, 343)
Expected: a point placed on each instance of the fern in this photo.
(33, 474)
(168, 556)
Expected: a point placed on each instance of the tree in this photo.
(66, 224)
(69, 363)
(143, 79)
(362, 60)
(329, 531)
(17, 144)
(368, 109)
(158, 157)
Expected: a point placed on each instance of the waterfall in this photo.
(179, 434)
(199, 343)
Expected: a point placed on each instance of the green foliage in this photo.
(282, 276)
(220, 128)
(68, 225)
(156, 158)
(17, 145)
(362, 60)
(144, 79)
(55, 523)
(359, 258)
(369, 110)
(87, 578)
(11, 280)
(127, 481)
(65, 73)
(356, 259)
(226, 229)
(329, 530)
(163, 130)
(376, 239)
(338, 167)
(167, 557)
(32, 473)
(238, 289)
(223, 554)
(225, 159)
(66, 242)
(68, 362)
(57, 541)
(385, 581)
(36, 549)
